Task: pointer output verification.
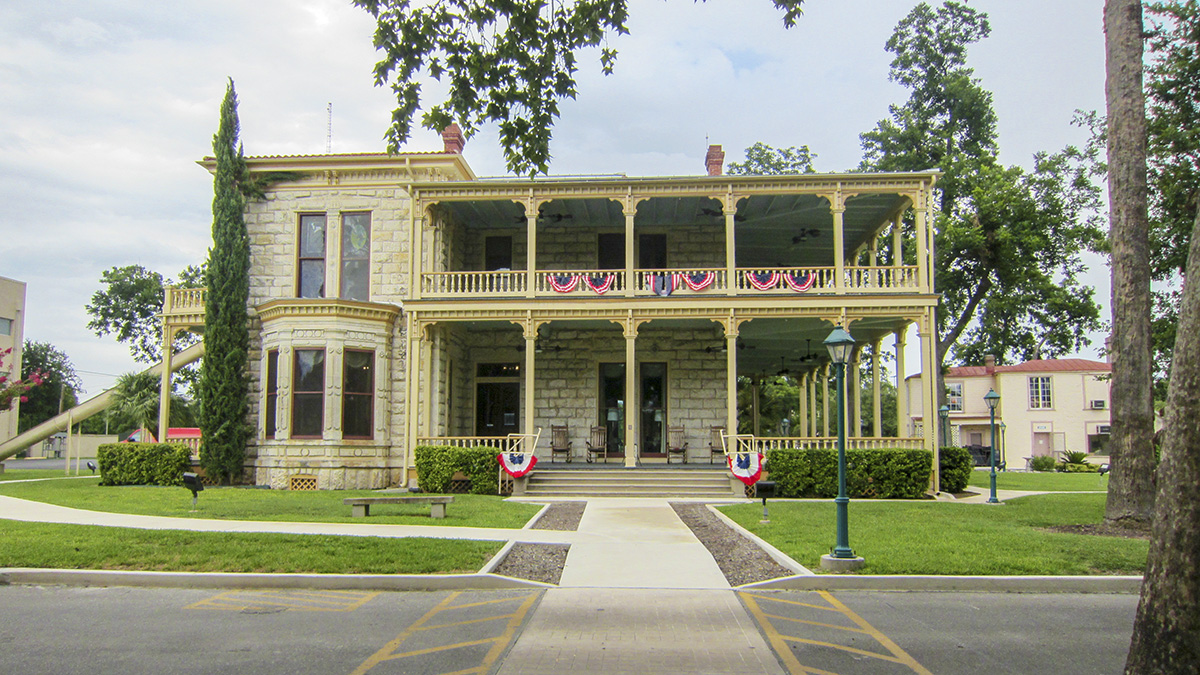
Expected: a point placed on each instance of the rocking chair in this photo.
(676, 446)
(597, 444)
(716, 446)
(559, 442)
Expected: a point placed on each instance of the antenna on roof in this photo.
(329, 128)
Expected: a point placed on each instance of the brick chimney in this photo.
(715, 160)
(989, 362)
(452, 140)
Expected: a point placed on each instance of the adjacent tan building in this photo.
(12, 336)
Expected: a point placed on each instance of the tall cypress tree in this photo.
(224, 397)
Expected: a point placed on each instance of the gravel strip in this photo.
(561, 516)
(740, 560)
(535, 562)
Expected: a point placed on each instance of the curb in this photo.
(943, 584)
(776, 555)
(375, 582)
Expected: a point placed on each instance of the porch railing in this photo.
(179, 301)
(509, 443)
(748, 443)
(749, 281)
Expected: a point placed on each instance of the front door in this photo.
(654, 407)
(612, 405)
(497, 408)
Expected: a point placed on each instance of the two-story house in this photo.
(1045, 406)
(400, 300)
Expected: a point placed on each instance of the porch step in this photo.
(622, 482)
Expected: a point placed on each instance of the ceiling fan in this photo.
(718, 213)
(806, 233)
(809, 356)
(542, 215)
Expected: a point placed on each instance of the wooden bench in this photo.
(437, 503)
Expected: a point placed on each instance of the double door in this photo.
(651, 407)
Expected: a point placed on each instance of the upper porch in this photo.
(752, 236)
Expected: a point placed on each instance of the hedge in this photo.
(437, 464)
(143, 463)
(880, 474)
(956, 466)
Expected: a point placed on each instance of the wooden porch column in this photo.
(825, 400)
(838, 208)
(876, 394)
(164, 387)
(630, 274)
(632, 423)
(531, 217)
(854, 400)
(416, 265)
(730, 257)
(731, 335)
(898, 241)
(922, 237)
(901, 387)
(411, 405)
(928, 397)
(812, 403)
(527, 425)
(802, 406)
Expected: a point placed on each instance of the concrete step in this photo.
(623, 482)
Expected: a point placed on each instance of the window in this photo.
(272, 399)
(954, 396)
(358, 385)
(356, 256)
(497, 253)
(1039, 392)
(308, 393)
(610, 251)
(311, 277)
(6, 326)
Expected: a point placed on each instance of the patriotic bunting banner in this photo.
(746, 466)
(662, 284)
(516, 464)
(563, 283)
(763, 281)
(601, 283)
(698, 281)
(799, 282)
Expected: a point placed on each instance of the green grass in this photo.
(1047, 481)
(29, 474)
(49, 545)
(321, 506)
(957, 539)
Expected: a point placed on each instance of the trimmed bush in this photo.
(880, 474)
(1069, 467)
(437, 464)
(955, 469)
(143, 463)
(1042, 463)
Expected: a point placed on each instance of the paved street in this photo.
(66, 630)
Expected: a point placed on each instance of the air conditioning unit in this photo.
(1103, 428)
(1099, 404)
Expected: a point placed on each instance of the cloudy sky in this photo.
(105, 106)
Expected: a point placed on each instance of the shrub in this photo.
(1042, 463)
(437, 464)
(143, 463)
(1074, 457)
(954, 469)
(1068, 467)
(882, 474)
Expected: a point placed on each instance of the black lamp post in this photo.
(840, 344)
(992, 399)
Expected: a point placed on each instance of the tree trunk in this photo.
(1166, 632)
(1131, 486)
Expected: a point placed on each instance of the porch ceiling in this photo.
(771, 229)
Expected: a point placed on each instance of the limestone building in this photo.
(400, 300)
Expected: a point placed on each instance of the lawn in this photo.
(947, 538)
(50, 545)
(323, 506)
(29, 474)
(1045, 481)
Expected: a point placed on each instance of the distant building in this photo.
(12, 336)
(1046, 406)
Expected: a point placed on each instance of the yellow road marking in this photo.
(389, 653)
(780, 642)
(303, 601)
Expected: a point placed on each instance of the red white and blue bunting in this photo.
(763, 281)
(601, 283)
(746, 466)
(698, 281)
(563, 283)
(662, 284)
(799, 282)
(517, 464)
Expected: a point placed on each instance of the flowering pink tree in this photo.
(11, 389)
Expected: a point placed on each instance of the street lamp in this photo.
(944, 414)
(992, 399)
(840, 344)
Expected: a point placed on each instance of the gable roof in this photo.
(1038, 366)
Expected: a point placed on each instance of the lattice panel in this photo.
(460, 487)
(302, 481)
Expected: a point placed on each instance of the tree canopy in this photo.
(59, 382)
(764, 160)
(129, 304)
(510, 62)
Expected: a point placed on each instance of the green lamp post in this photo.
(944, 415)
(840, 344)
(992, 399)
